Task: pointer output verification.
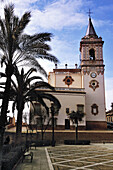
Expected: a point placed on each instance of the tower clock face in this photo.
(93, 74)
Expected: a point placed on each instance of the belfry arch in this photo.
(92, 54)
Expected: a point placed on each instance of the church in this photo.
(81, 88)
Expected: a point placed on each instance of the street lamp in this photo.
(52, 113)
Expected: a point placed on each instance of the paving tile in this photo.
(90, 157)
(82, 157)
(39, 161)
(101, 167)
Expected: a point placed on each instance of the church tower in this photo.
(92, 70)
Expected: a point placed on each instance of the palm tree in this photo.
(25, 91)
(19, 48)
(75, 117)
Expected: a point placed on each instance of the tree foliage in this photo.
(18, 48)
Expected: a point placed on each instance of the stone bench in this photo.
(28, 154)
(33, 145)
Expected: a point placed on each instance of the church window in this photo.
(67, 124)
(94, 109)
(38, 121)
(100, 52)
(68, 80)
(80, 108)
(92, 54)
(55, 121)
(97, 52)
(87, 53)
(37, 108)
(67, 110)
(84, 52)
(94, 84)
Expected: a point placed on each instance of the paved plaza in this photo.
(78, 157)
(98, 157)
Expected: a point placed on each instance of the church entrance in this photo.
(67, 124)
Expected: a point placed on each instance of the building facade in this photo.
(82, 88)
(109, 114)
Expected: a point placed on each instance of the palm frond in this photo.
(29, 72)
(52, 98)
(40, 37)
(9, 13)
(2, 26)
(22, 24)
(31, 61)
(28, 81)
(2, 74)
(14, 85)
(41, 101)
(39, 85)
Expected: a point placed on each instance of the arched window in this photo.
(92, 54)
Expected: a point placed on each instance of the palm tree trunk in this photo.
(5, 101)
(19, 126)
(3, 117)
(20, 107)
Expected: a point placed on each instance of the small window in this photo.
(67, 110)
(92, 54)
(94, 109)
(80, 108)
(55, 121)
(37, 108)
(38, 121)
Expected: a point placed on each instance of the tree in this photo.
(19, 48)
(25, 91)
(75, 117)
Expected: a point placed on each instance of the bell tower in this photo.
(92, 69)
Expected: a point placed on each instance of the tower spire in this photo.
(90, 29)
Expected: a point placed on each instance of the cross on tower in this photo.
(89, 13)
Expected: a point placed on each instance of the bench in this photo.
(33, 145)
(28, 154)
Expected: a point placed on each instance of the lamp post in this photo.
(52, 113)
(76, 127)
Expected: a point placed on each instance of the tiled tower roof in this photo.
(90, 30)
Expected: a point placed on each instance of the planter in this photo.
(78, 142)
(41, 143)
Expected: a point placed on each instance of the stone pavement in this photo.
(87, 157)
(75, 157)
(39, 162)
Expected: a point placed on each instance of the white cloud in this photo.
(101, 23)
(55, 15)
(66, 52)
(59, 15)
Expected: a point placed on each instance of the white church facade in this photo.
(82, 88)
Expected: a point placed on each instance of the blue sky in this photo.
(67, 20)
